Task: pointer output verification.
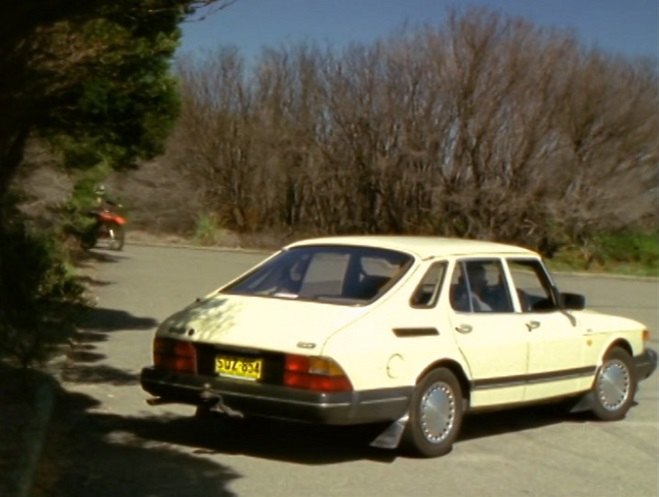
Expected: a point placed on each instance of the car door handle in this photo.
(532, 325)
(464, 328)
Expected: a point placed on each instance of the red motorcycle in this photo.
(108, 225)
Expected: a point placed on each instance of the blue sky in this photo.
(624, 27)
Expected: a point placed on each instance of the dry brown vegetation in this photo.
(485, 127)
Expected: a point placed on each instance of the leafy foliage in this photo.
(74, 216)
(637, 247)
(38, 292)
(92, 77)
(124, 105)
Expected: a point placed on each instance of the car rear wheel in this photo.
(615, 386)
(435, 414)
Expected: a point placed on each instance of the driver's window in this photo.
(532, 285)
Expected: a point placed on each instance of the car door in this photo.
(489, 334)
(555, 340)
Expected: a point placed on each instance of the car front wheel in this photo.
(615, 386)
(435, 414)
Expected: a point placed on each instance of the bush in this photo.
(641, 248)
(209, 231)
(627, 252)
(38, 294)
(74, 216)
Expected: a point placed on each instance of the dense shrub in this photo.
(634, 247)
(38, 294)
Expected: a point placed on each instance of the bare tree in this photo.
(214, 139)
(484, 127)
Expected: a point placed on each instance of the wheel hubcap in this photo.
(437, 412)
(613, 385)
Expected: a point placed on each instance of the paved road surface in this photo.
(107, 442)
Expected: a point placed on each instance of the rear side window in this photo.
(428, 290)
(337, 274)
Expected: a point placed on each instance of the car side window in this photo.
(533, 285)
(480, 286)
(428, 290)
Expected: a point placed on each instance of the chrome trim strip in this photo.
(531, 379)
(384, 401)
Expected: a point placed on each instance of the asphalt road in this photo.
(107, 441)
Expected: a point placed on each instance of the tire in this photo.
(615, 386)
(88, 239)
(116, 234)
(203, 412)
(435, 416)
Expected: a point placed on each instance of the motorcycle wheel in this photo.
(117, 236)
(88, 239)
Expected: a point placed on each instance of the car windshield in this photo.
(336, 274)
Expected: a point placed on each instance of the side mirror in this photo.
(573, 301)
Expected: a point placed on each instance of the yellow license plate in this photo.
(239, 367)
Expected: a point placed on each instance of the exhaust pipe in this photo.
(213, 403)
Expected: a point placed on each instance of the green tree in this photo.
(90, 75)
(92, 78)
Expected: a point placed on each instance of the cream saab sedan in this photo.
(411, 332)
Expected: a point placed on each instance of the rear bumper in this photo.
(257, 399)
(646, 363)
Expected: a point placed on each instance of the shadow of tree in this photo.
(79, 355)
(91, 281)
(98, 374)
(88, 453)
(93, 327)
(98, 319)
(18, 410)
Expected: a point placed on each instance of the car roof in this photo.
(423, 247)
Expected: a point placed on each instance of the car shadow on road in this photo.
(160, 453)
(319, 445)
(489, 424)
(266, 439)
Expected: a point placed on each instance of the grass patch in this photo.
(209, 232)
(628, 253)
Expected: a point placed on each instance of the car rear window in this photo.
(336, 274)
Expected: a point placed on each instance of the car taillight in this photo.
(174, 355)
(320, 374)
